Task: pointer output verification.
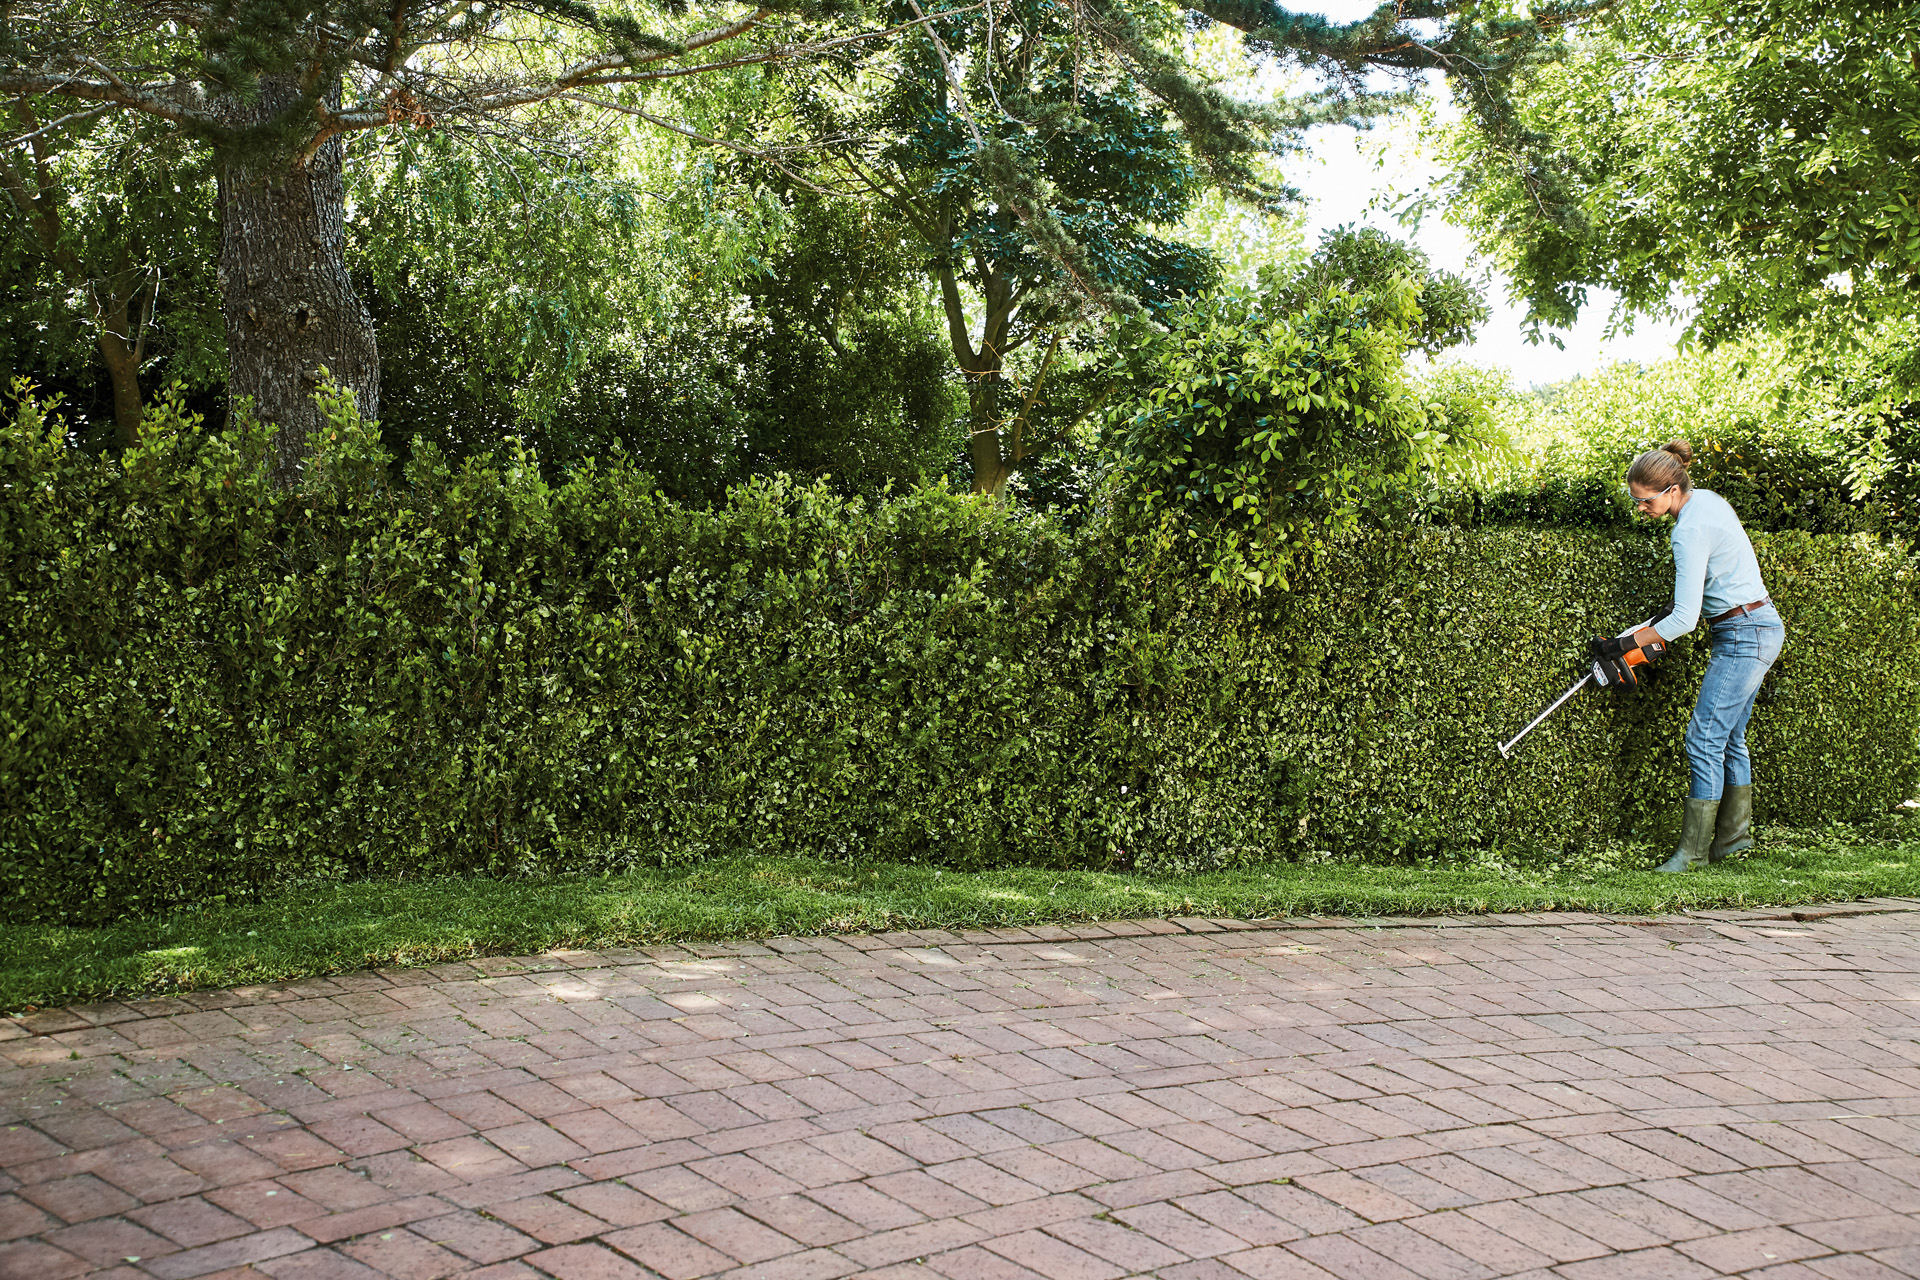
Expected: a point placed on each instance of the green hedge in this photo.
(209, 689)
(1768, 433)
(1775, 487)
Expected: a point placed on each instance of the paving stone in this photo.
(674, 1254)
(373, 1218)
(35, 1259)
(1531, 1096)
(190, 1221)
(105, 1241)
(587, 1262)
(402, 1252)
(315, 1264)
(227, 1254)
(547, 1219)
(50, 1021)
(78, 1198)
(482, 1240)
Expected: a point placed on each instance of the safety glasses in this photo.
(1647, 502)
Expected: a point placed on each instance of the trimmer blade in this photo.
(1507, 746)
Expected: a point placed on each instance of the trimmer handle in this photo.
(1616, 657)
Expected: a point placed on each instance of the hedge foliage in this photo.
(1769, 436)
(210, 689)
(1255, 435)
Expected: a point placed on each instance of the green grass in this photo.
(341, 927)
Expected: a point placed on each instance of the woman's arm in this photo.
(1689, 583)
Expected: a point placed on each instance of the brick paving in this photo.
(1574, 1097)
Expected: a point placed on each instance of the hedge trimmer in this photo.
(1614, 660)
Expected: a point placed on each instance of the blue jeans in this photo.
(1743, 649)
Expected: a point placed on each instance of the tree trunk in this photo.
(289, 305)
(122, 358)
(990, 470)
(42, 204)
(981, 369)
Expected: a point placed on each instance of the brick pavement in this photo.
(1574, 1097)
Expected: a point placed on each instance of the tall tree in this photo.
(271, 88)
(106, 233)
(1095, 165)
(1755, 158)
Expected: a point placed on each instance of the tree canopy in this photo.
(1755, 159)
(270, 89)
(107, 242)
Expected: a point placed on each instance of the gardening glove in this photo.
(1607, 663)
(1618, 656)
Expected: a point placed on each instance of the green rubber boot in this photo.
(1695, 835)
(1733, 828)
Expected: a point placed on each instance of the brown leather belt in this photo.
(1741, 611)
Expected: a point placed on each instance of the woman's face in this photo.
(1651, 503)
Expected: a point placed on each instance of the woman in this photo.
(1715, 572)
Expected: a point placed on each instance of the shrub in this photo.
(1766, 432)
(1366, 260)
(210, 688)
(1254, 433)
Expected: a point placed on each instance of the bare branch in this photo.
(1032, 392)
(51, 125)
(952, 72)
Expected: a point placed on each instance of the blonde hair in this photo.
(1663, 468)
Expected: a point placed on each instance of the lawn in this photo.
(336, 928)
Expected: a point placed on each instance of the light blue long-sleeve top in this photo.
(1714, 568)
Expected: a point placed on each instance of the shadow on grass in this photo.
(337, 928)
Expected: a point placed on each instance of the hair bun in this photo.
(1679, 449)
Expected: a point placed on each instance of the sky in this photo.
(1343, 172)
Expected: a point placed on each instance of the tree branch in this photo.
(770, 155)
(956, 310)
(904, 202)
(51, 125)
(578, 74)
(1080, 415)
(38, 207)
(25, 84)
(1014, 299)
(773, 53)
(29, 209)
(1026, 401)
